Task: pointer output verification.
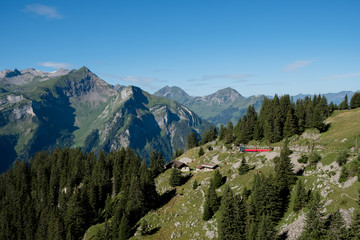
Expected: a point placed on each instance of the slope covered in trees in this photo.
(78, 109)
(61, 194)
(278, 196)
(279, 118)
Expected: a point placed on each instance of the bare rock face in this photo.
(294, 230)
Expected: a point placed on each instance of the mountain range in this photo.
(336, 98)
(75, 108)
(229, 105)
(218, 108)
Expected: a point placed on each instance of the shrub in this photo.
(342, 158)
(354, 167)
(303, 159)
(195, 184)
(344, 174)
(201, 151)
(314, 158)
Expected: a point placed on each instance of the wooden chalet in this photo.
(207, 166)
(177, 164)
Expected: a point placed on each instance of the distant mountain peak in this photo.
(14, 73)
(224, 95)
(84, 69)
(229, 91)
(175, 93)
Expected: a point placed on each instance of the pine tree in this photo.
(195, 184)
(355, 100)
(226, 219)
(211, 203)
(226, 223)
(135, 205)
(118, 169)
(191, 141)
(209, 135)
(344, 105)
(201, 151)
(124, 228)
(337, 230)
(175, 178)
(300, 113)
(244, 167)
(314, 223)
(156, 164)
(222, 132)
(116, 220)
(300, 196)
(318, 119)
(266, 229)
(290, 125)
(240, 216)
(76, 218)
(229, 136)
(354, 231)
(284, 176)
(177, 153)
(217, 179)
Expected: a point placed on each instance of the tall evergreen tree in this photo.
(344, 105)
(337, 230)
(229, 136)
(354, 231)
(212, 203)
(175, 178)
(217, 179)
(76, 218)
(314, 223)
(201, 151)
(191, 141)
(124, 228)
(266, 229)
(156, 163)
(284, 176)
(300, 196)
(226, 222)
(222, 132)
(290, 124)
(244, 167)
(355, 100)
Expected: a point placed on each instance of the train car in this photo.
(255, 149)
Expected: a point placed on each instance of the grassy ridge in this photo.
(182, 216)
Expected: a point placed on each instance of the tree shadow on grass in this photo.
(165, 198)
(153, 231)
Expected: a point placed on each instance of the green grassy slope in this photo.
(181, 217)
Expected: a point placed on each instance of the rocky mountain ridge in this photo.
(78, 109)
(27, 75)
(218, 108)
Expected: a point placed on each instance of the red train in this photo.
(255, 149)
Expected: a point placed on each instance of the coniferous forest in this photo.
(61, 193)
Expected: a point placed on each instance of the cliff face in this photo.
(78, 109)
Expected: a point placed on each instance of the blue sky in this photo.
(255, 47)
